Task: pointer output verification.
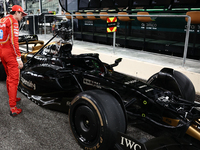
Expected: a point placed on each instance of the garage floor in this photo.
(35, 128)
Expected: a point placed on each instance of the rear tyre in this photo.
(174, 81)
(95, 118)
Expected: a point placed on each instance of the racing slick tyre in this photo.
(2, 73)
(95, 118)
(175, 81)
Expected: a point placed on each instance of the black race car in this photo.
(100, 102)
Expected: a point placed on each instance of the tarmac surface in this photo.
(36, 128)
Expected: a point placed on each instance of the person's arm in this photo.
(14, 34)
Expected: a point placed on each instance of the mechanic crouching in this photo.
(10, 54)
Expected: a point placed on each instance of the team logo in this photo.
(128, 143)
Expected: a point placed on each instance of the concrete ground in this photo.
(35, 128)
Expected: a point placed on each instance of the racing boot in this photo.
(18, 99)
(14, 111)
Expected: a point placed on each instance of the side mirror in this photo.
(118, 60)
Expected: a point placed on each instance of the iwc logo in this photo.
(128, 143)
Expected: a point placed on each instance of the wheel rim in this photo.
(86, 124)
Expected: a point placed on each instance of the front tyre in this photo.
(175, 81)
(95, 118)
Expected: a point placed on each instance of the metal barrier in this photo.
(114, 34)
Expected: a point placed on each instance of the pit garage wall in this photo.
(140, 69)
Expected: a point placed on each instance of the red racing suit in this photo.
(9, 54)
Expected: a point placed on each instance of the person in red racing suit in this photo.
(10, 54)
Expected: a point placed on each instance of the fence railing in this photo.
(116, 15)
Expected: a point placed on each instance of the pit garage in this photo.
(134, 55)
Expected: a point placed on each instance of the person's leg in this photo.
(13, 79)
(12, 84)
(7, 80)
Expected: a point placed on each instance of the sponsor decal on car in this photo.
(130, 82)
(128, 143)
(143, 86)
(149, 90)
(28, 83)
(91, 83)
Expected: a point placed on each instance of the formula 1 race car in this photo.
(24, 40)
(101, 102)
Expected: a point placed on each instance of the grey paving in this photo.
(36, 128)
(144, 56)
